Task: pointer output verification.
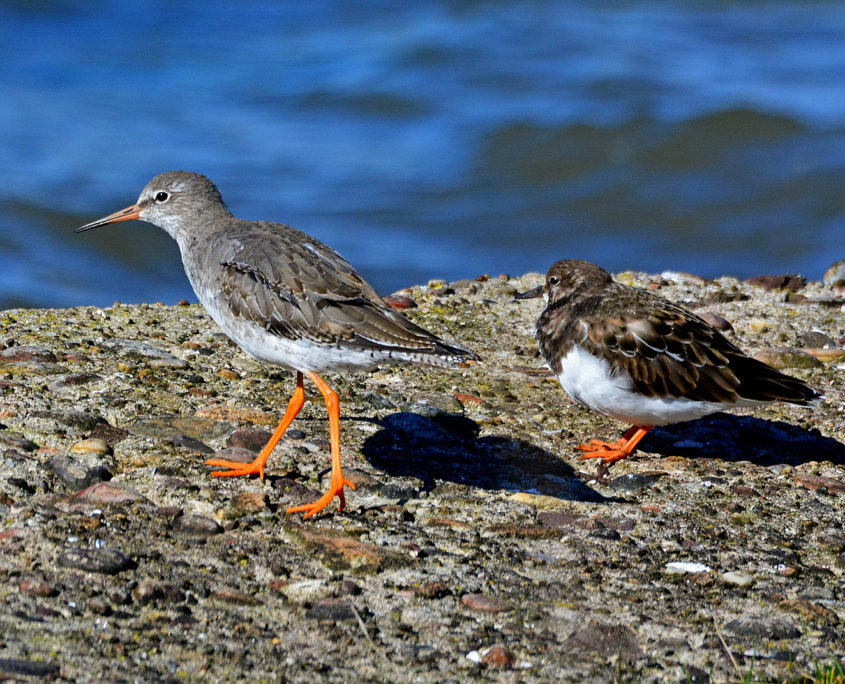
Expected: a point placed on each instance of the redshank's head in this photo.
(568, 277)
(173, 200)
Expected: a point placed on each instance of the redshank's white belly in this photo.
(299, 354)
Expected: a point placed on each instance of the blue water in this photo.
(424, 140)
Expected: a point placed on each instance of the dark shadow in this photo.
(743, 438)
(447, 447)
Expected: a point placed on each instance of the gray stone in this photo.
(105, 561)
(763, 627)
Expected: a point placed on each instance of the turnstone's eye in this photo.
(553, 280)
(162, 196)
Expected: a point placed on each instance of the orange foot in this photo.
(599, 445)
(610, 453)
(335, 490)
(236, 468)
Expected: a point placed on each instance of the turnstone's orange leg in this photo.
(337, 481)
(610, 453)
(257, 466)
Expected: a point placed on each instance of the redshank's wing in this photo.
(297, 287)
(670, 352)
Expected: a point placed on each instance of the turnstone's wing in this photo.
(670, 352)
(296, 287)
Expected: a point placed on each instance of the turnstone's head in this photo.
(567, 278)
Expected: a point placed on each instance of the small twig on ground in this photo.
(369, 639)
(724, 645)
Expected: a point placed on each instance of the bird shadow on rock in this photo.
(744, 438)
(447, 447)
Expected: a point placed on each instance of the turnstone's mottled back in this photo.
(627, 353)
(284, 298)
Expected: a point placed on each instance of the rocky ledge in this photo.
(475, 545)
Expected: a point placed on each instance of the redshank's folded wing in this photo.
(308, 290)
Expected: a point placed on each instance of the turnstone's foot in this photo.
(610, 453)
(599, 445)
(608, 456)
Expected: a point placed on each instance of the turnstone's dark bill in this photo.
(631, 355)
(285, 299)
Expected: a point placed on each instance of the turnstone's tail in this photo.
(759, 382)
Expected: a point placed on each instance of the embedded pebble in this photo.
(193, 444)
(253, 438)
(35, 586)
(737, 579)
(168, 363)
(498, 656)
(400, 302)
(16, 442)
(245, 503)
(483, 604)
(74, 380)
(331, 609)
(792, 283)
(106, 561)
(171, 427)
(26, 353)
(237, 454)
(93, 445)
(237, 414)
(759, 325)
(763, 627)
(197, 526)
(632, 482)
(77, 475)
(110, 493)
(683, 567)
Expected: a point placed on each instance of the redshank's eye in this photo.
(162, 196)
(553, 280)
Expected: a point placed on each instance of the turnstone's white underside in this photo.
(589, 380)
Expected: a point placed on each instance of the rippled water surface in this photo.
(424, 140)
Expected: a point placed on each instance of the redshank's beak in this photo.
(128, 214)
(531, 294)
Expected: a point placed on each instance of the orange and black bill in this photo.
(128, 214)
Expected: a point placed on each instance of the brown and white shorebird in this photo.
(285, 299)
(626, 353)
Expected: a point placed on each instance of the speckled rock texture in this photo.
(475, 547)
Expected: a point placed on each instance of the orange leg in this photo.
(257, 466)
(610, 453)
(337, 481)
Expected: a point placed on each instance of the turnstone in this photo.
(626, 353)
(285, 299)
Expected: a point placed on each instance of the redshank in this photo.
(285, 299)
(626, 353)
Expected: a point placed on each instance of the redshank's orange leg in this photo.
(257, 466)
(610, 453)
(337, 481)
